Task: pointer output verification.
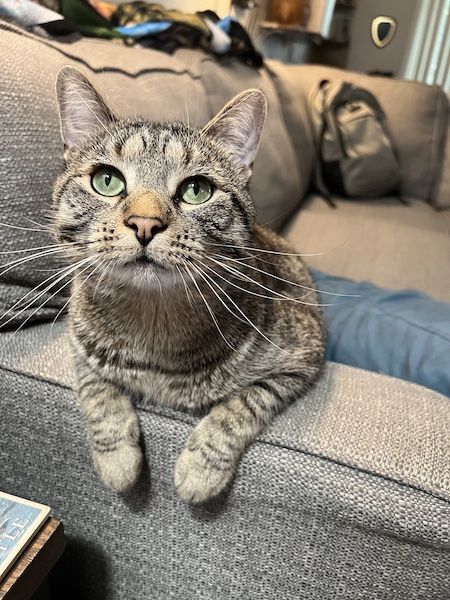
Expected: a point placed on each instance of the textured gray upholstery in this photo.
(382, 241)
(346, 496)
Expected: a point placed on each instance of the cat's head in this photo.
(145, 199)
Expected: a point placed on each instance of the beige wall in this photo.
(363, 54)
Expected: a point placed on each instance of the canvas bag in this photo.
(356, 157)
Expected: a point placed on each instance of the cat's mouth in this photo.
(142, 270)
(143, 260)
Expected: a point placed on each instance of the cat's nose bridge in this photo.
(145, 215)
(146, 205)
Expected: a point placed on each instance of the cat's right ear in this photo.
(81, 109)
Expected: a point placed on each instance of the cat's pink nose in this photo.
(145, 228)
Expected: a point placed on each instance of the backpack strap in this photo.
(318, 178)
(321, 102)
(335, 97)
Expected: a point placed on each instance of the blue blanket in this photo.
(405, 333)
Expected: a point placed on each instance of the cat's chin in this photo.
(144, 273)
(140, 261)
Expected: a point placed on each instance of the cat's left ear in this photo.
(239, 124)
(82, 110)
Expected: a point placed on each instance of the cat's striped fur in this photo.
(208, 324)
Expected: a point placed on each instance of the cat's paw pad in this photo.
(196, 479)
(119, 468)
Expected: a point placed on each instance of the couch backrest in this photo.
(416, 114)
(188, 86)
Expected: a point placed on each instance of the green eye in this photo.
(196, 190)
(108, 181)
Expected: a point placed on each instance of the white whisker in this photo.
(60, 276)
(294, 283)
(36, 310)
(243, 314)
(279, 297)
(40, 248)
(100, 279)
(22, 228)
(20, 261)
(160, 286)
(46, 227)
(99, 262)
(300, 255)
(187, 111)
(59, 272)
(213, 317)
(188, 291)
(296, 300)
(219, 298)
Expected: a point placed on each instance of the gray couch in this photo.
(347, 495)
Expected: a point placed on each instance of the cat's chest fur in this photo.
(163, 348)
(167, 347)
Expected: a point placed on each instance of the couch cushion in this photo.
(382, 241)
(134, 81)
(416, 116)
(351, 482)
(294, 106)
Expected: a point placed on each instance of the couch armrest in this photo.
(347, 495)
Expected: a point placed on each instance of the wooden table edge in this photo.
(34, 564)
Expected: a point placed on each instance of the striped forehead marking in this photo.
(133, 146)
(174, 150)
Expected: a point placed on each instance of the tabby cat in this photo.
(179, 295)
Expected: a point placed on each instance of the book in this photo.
(20, 520)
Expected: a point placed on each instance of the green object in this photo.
(196, 190)
(108, 182)
(87, 20)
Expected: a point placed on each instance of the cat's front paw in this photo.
(198, 479)
(116, 452)
(120, 468)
